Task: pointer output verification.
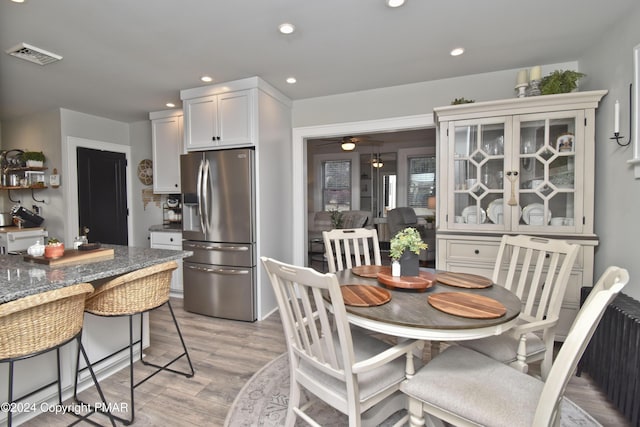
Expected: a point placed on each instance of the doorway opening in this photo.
(303, 152)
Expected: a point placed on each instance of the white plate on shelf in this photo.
(533, 214)
(470, 211)
(495, 211)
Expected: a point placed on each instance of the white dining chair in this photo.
(465, 388)
(537, 270)
(349, 370)
(345, 248)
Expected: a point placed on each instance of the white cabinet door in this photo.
(219, 120)
(172, 241)
(201, 123)
(167, 147)
(236, 122)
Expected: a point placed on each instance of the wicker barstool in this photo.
(134, 294)
(40, 323)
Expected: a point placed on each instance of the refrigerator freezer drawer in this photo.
(218, 291)
(236, 254)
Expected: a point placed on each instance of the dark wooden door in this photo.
(102, 195)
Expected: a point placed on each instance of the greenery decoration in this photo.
(408, 239)
(337, 219)
(560, 82)
(33, 155)
(462, 101)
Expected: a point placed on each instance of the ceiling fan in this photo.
(347, 143)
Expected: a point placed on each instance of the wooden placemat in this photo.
(72, 256)
(464, 280)
(364, 295)
(467, 305)
(424, 281)
(370, 271)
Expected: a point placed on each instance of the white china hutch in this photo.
(517, 166)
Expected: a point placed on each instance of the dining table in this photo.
(411, 312)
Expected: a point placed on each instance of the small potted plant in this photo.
(405, 248)
(54, 248)
(33, 159)
(337, 219)
(560, 82)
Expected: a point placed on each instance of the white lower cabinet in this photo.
(170, 240)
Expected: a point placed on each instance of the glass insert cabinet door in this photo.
(480, 158)
(516, 173)
(548, 157)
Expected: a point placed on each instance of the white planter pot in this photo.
(35, 163)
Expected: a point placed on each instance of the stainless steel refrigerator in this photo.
(218, 222)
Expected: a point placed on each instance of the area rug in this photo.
(263, 400)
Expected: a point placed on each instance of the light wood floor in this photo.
(225, 355)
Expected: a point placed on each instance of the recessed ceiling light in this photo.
(457, 51)
(286, 28)
(395, 3)
(18, 1)
(170, 104)
(206, 79)
(291, 80)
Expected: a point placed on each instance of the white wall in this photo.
(609, 65)
(146, 210)
(408, 100)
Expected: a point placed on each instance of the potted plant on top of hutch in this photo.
(517, 166)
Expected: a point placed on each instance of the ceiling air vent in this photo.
(33, 54)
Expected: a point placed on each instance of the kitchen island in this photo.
(19, 278)
(100, 336)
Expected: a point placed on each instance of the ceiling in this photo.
(123, 59)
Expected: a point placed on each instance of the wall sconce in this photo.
(616, 120)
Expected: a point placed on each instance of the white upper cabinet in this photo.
(167, 145)
(220, 120)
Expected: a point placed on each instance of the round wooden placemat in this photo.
(467, 305)
(464, 280)
(424, 281)
(364, 295)
(370, 271)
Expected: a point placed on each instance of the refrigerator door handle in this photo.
(228, 271)
(205, 193)
(218, 248)
(199, 195)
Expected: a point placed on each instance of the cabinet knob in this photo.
(477, 251)
(171, 239)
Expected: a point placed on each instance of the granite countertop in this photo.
(166, 227)
(19, 278)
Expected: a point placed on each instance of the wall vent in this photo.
(33, 54)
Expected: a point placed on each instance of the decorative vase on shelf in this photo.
(409, 264)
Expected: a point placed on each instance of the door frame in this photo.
(70, 175)
(299, 163)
